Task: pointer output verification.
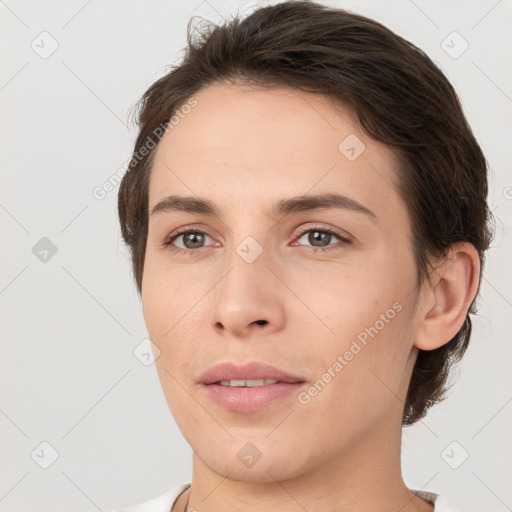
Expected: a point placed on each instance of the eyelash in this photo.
(189, 252)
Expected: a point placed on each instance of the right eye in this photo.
(191, 238)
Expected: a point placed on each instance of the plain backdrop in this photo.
(84, 423)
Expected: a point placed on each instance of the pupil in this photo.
(316, 236)
(191, 237)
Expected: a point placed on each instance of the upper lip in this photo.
(253, 370)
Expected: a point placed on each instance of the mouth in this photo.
(248, 387)
(249, 383)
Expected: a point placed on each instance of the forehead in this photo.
(259, 144)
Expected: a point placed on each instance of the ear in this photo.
(447, 296)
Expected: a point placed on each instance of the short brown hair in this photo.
(400, 97)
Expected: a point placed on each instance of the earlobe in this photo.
(452, 288)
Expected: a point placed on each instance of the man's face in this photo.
(250, 286)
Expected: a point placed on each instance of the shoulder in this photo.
(162, 503)
(165, 501)
(440, 502)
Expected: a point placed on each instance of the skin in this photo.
(244, 149)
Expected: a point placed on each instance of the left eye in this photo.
(321, 236)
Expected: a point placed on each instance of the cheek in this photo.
(174, 315)
(358, 383)
(346, 301)
(367, 292)
(366, 320)
(167, 295)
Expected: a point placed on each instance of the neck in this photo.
(365, 476)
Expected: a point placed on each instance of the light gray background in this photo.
(70, 325)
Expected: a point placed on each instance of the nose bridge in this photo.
(247, 269)
(249, 244)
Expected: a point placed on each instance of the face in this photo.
(325, 294)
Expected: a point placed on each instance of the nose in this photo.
(249, 298)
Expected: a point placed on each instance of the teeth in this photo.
(247, 383)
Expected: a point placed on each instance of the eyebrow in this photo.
(280, 208)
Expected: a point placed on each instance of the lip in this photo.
(247, 399)
(249, 371)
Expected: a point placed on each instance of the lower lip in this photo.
(240, 399)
